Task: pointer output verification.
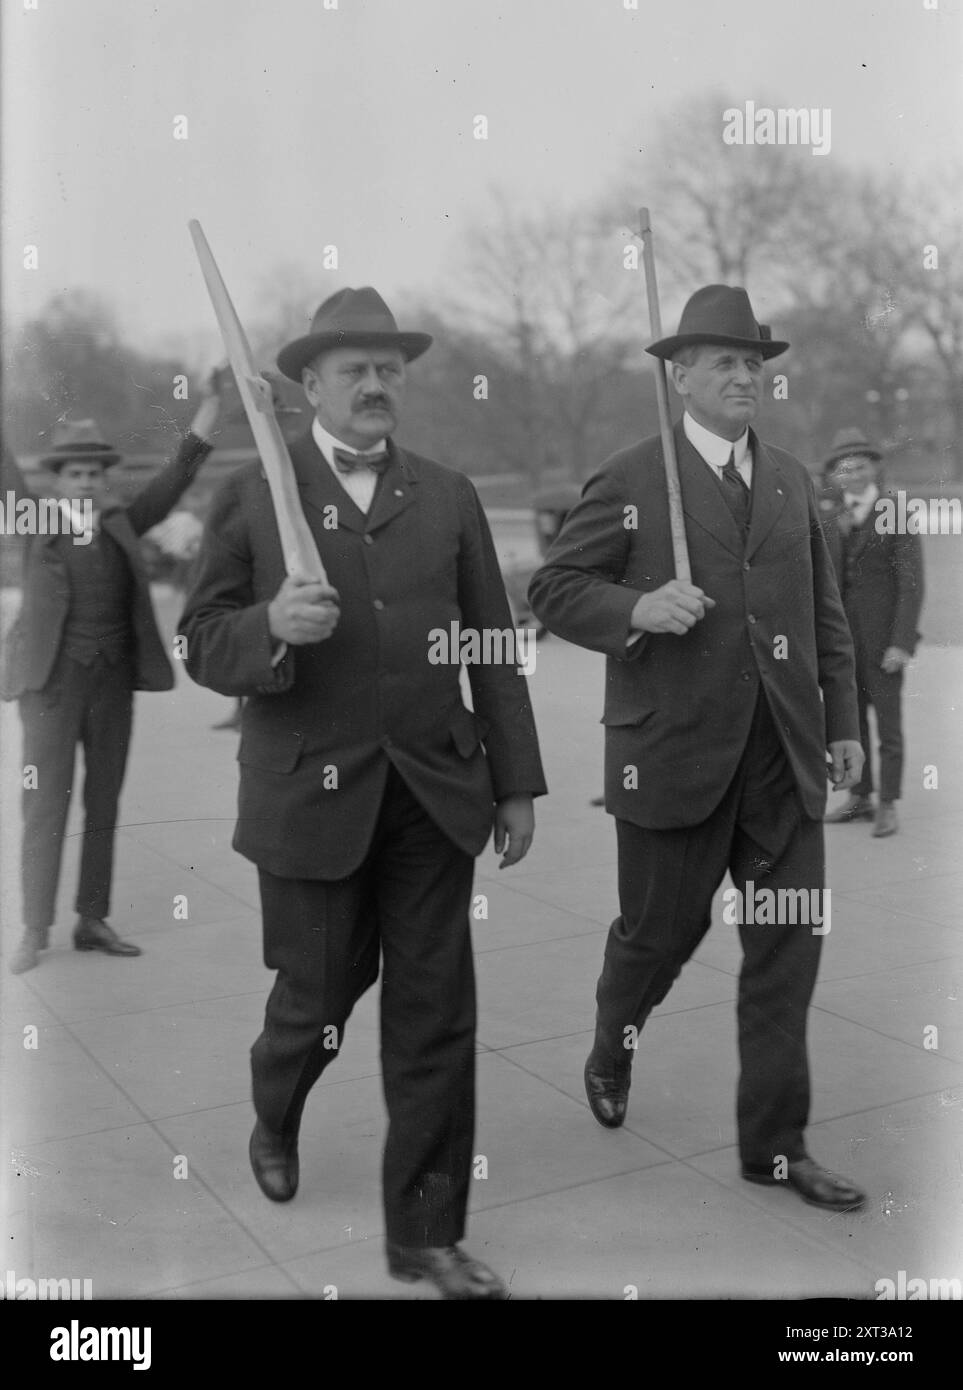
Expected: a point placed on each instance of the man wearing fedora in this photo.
(881, 581)
(84, 640)
(723, 696)
(367, 787)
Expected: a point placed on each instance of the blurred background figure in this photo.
(880, 578)
(85, 639)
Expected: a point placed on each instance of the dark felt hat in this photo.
(719, 314)
(78, 441)
(350, 318)
(850, 443)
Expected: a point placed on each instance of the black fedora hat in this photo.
(78, 440)
(719, 314)
(850, 443)
(350, 318)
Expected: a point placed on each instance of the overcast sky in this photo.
(353, 126)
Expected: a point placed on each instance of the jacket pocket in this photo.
(467, 731)
(279, 752)
(627, 718)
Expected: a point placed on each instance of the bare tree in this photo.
(727, 213)
(548, 291)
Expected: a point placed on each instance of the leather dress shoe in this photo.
(454, 1272)
(93, 934)
(25, 956)
(274, 1158)
(886, 821)
(853, 808)
(815, 1185)
(607, 1087)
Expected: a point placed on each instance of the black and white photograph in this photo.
(481, 650)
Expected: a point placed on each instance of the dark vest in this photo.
(98, 620)
(723, 490)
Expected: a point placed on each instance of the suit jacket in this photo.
(881, 581)
(679, 708)
(34, 642)
(321, 728)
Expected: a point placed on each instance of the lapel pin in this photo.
(398, 492)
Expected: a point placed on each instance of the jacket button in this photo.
(751, 617)
(746, 565)
(369, 540)
(379, 605)
(745, 675)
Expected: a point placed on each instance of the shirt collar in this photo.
(327, 443)
(861, 500)
(77, 520)
(713, 448)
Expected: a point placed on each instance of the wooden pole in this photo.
(301, 558)
(680, 549)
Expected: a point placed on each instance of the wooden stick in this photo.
(301, 558)
(680, 549)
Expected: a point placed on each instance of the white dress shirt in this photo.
(360, 483)
(859, 505)
(716, 451)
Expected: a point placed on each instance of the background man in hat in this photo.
(367, 787)
(716, 736)
(84, 640)
(881, 581)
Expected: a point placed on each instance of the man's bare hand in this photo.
(514, 824)
(303, 611)
(676, 607)
(204, 423)
(895, 659)
(847, 763)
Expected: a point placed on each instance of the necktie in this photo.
(851, 531)
(737, 494)
(350, 463)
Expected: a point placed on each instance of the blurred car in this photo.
(551, 505)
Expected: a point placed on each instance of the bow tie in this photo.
(350, 463)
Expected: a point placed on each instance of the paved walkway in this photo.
(141, 1066)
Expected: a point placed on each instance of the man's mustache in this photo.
(368, 402)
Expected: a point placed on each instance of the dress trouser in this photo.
(667, 879)
(93, 706)
(884, 692)
(409, 902)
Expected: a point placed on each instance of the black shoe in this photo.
(233, 722)
(853, 808)
(448, 1267)
(607, 1087)
(25, 956)
(274, 1158)
(815, 1185)
(93, 934)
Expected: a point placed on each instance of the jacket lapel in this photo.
(114, 522)
(768, 494)
(396, 491)
(702, 500)
(319, 488)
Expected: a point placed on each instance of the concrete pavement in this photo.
(124, 1129)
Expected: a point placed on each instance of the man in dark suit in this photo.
(716, 736)
(367, 787)
(880, 578)
(84, 640)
